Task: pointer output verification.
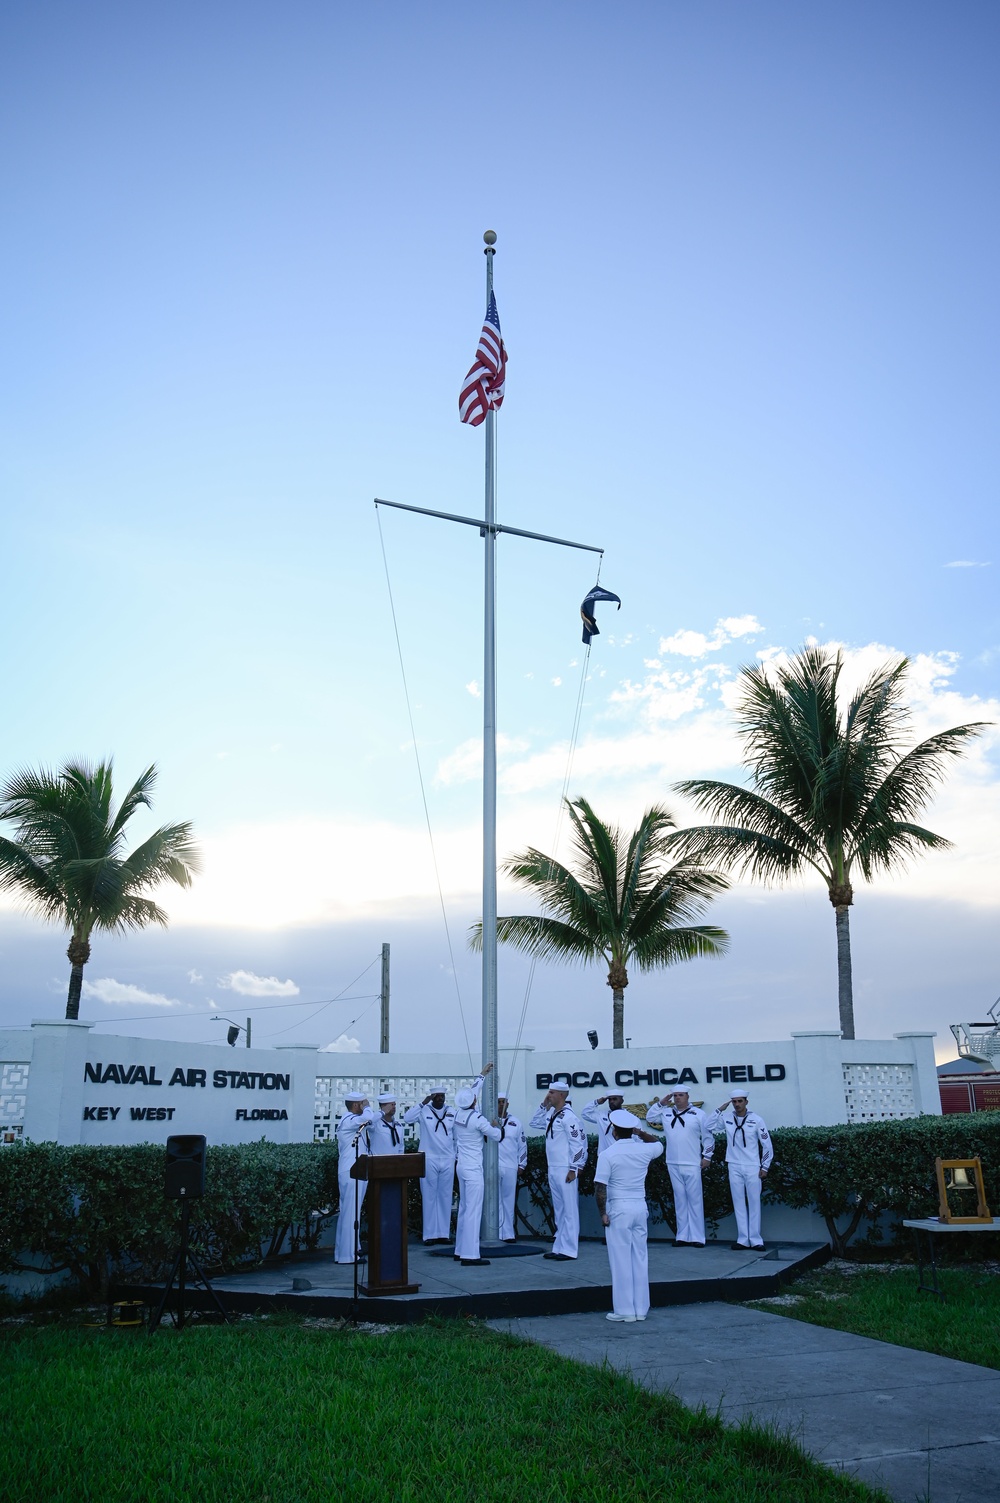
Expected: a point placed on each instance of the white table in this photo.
(931, 1227)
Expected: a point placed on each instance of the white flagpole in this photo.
(491, 1167)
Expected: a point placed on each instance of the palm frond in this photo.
(672, 946)
(892, 844)
(544, 938)
(557, 888)
(169, 854)
(752, 811)
(646, 850)
(21, 873)
(598, 846)
(140, 795)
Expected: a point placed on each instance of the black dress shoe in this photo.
(474, 1262)
(740, 1247)
(679, 1243)
(558, 1257)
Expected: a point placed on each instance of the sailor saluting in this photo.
(470, 1130)
(600, 1115)
(435, 1120)
(690, 1146)
(748, 1157)
(386, 1134)
(352, 1139)
(513, 1156)
(566, 1154)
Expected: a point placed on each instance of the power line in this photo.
(339, 998)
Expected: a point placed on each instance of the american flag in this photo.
(483, 386)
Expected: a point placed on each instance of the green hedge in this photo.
(99, 1213)
(857, 1177)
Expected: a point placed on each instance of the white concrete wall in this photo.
(107, 1088)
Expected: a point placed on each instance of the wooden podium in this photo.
(388, 1176)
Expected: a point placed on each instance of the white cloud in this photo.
(473, 689)
(967, 563)
(342, 1045)
(194, 977)
(557, 683)
(640, 736)
(247, 984)
(695, 644)
(122, 993)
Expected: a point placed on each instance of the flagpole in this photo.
(491, 1166)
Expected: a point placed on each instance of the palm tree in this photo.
(68, 858)
(831, 789)
(621, 902)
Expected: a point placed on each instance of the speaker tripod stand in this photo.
(184, 1263)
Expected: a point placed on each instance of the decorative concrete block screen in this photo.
(877, 1091)
(13, 1100)
(331, 1090)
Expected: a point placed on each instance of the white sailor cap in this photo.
(355, 1096)
(385, 1098)
(624, 1119)
(464, 1098)
(560, 1085)
(739, 1096)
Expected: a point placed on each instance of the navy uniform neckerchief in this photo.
(741, 1128)
(390, 1123)
(439, 1121)
(552, 1120)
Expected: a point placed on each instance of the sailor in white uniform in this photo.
(470, 1130)
(598, 1112)
(565, 1154)
(690, 1146)
(620, 1190)
(513, 1154)
(386, 1134)
(352, 1139)
(748, 1157)
(437, 1187)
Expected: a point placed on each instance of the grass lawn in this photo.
(278, 1411)
(886, 1304)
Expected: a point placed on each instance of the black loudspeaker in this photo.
(185, 1171)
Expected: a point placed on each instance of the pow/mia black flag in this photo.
(590, 628)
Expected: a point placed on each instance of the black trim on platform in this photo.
(490, 1304)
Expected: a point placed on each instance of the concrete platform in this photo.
(510, 1286)
(917, 1425)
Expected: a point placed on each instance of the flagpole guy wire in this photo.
(423, 791)
(489, 530)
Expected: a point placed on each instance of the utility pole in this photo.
(383, 1034)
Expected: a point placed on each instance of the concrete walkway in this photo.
(878, 1412)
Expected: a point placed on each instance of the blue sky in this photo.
(746, 274)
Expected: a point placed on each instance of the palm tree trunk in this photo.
(618, 1019)
(75, 988)
(78, 953)
(845, 985)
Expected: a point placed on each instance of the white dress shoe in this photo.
(613, 1316)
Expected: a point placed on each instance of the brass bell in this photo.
(960, 1179)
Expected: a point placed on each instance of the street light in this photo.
(234, 1030)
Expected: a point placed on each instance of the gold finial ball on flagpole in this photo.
(490, 237)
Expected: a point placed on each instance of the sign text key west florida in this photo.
(106, 1088)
